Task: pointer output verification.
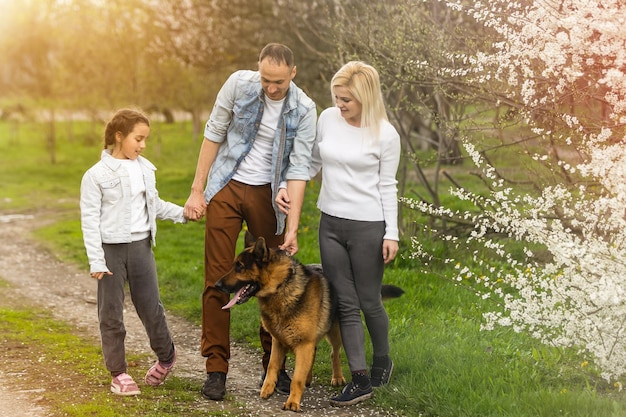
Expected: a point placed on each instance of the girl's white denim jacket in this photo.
(234, 122)
(105, 204)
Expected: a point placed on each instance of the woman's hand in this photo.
(282, 200)
(390, 249)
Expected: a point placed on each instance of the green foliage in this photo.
(445, 365)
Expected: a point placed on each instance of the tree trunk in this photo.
(51, 138)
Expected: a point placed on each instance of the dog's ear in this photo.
(260, 250)
(249, 239)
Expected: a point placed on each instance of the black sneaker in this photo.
(214, 387)
(352, 394)
(283, 385)
(381, 376)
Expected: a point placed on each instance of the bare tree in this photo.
(406, 41)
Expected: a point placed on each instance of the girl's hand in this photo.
(100, 275)
(282, 200)
(198, 214)
(195, 207)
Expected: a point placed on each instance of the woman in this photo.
(358, 151)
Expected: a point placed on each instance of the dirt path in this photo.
(70, 296)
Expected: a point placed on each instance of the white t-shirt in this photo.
(140, 226)
(256, 167)
(358, 171)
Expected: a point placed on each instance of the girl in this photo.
(119, 206)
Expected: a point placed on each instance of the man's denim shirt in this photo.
(234, 122)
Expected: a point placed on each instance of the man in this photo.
(258, 138)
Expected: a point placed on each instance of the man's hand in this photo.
(291, 243)
(195, 207)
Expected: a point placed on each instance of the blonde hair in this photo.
(363, 82)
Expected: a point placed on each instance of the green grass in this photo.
(445, 366)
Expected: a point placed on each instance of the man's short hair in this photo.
(278, 54)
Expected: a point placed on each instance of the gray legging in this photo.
(133, 263)
(351, 254)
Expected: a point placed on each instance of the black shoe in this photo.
(283, 385)
(352, 394)
(214, 387)
(381, 376)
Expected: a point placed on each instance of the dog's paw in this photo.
(291, 405)
(267, 390)
(338, 381)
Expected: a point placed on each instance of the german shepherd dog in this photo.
(297, 309)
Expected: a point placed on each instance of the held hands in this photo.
(195, 207)
(390, 249)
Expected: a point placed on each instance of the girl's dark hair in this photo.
(278, 54)
(123, 121)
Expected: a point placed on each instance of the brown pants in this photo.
(226, 212)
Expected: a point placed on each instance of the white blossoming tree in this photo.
(564, 63)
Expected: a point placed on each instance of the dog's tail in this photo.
(387, 291)
(390, 291)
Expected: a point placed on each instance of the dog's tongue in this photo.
(233, 300)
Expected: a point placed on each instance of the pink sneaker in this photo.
(158, 372)
(123, 384)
